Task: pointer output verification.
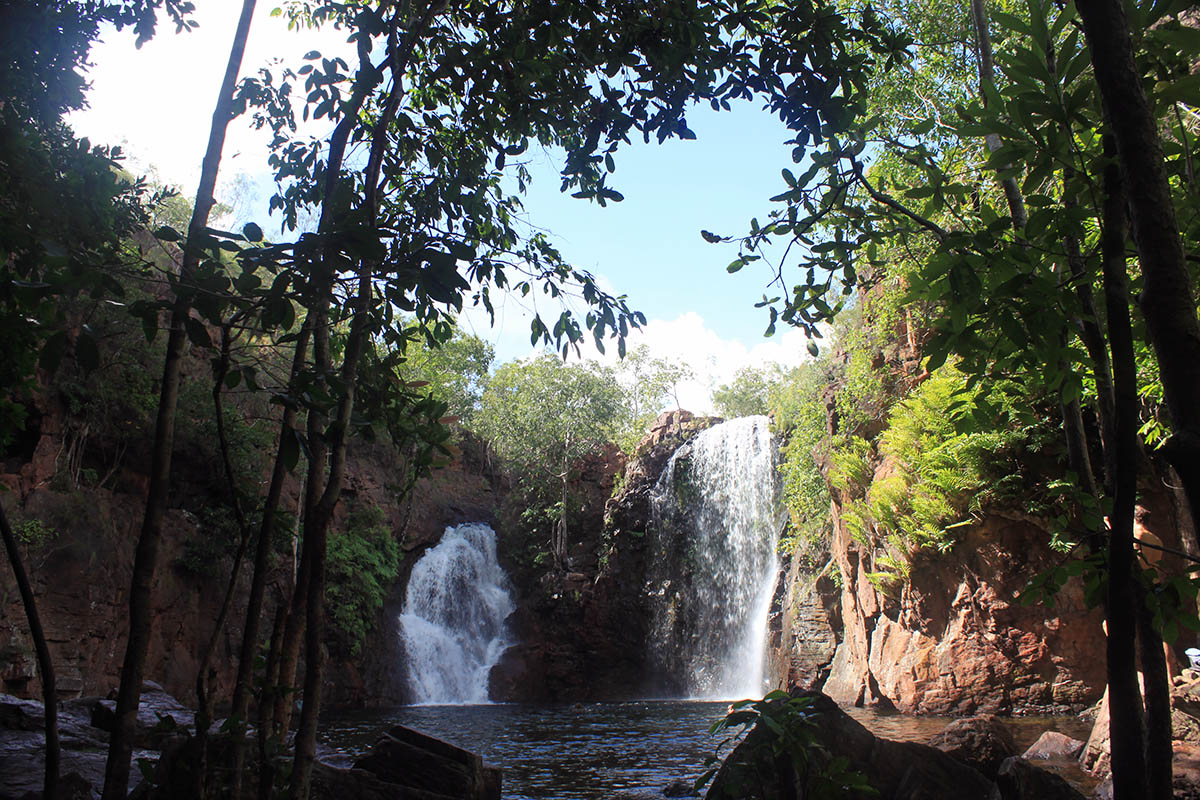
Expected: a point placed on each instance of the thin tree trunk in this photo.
(320, 515)
(987, 77)
(312, 560)
(364, 82)
(1125, 707)
(258, 583)
(1159, 749)
(1127, 455)
(204, 700)
(42, 651)
(1166, 300)
(266, 767)
(120, 750)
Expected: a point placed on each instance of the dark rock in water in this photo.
(896, 770)
(404, 765)
(162, 721)
(680, 788)
(1017, 779)
(23, 750)
(1054, 745)
(981, 742)
(411, 759)
(332, 783)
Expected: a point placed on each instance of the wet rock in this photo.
(981, 742)
(405, 757)
(84, 750)
(1054, 745)
(896, 770)
(1186, 771)
(1017, 779)
(1096, 753)
(680, 788)
(161, 720)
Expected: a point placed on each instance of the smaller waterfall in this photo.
(716, 521)
(453, 618)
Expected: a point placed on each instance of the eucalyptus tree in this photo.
(196, 245)
(1008, 275)
(442, 97)
(542, 417)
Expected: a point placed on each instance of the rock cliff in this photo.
(81, 555)
(955, 639)
(583, 634)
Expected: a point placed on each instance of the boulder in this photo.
(404, 765)
(680, 788)
(1054, 745)
(1097, 753)
(414, 760)
(1017, 779)
(981, 742)
(162, 721)
(896, 770)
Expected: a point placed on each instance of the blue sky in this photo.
(157, 101)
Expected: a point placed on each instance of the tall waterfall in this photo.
(716, 522)
(453, 618)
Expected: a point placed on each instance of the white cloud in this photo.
(687, 338)
(713, 359)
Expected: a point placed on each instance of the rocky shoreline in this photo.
(403, 765)
(972, 757)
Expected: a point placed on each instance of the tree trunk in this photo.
(42, 650)
(1166, 301)
(116, 771)
(205, 702)
(258, 583)
(266, 767)
(1129, 766)
(1159, 750)
(987, 76)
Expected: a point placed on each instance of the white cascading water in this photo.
(453, 617)
(717, 516)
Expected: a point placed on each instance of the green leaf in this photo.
(252, 232)
(52, 351)
(167, 234)
(86, 351)
(197, 333)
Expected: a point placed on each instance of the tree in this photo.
(116, 771)
(748, 393)
(541, 417)
(1008, 277)
(64, 209)
(455, 371)
(649, 384)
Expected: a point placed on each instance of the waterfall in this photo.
(716, 522)
(453, 617)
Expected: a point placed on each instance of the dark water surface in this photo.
(599, 750)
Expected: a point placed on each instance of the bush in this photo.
(362, 563)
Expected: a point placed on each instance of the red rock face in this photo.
(955, 639)
(81, 579)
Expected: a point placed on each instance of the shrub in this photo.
(362, 563)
